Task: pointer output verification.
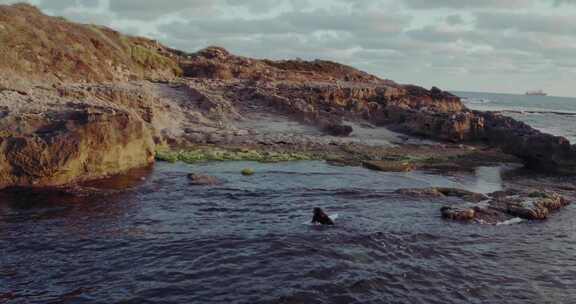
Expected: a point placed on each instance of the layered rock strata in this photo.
(327, 94)
(79, 104)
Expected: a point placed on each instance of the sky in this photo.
(506, 46)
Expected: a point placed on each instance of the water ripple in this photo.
(249, 241)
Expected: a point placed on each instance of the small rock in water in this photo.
(247, 172)
(537, 206)
(203, 180)
(320, 217)
(338, 130)
(458, 213)
(389, 166)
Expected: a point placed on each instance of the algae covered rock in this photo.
(219, 154)
(389, 165)
(247, 172)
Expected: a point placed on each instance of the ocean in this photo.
(554, 115)
(250, 241)
(160, 240)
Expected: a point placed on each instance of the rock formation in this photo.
(73, 145)
(79, 102)
(58, 123)
(493, 208)
(325, 94)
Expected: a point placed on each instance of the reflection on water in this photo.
(246, 241)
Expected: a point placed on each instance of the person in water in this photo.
(321, 218)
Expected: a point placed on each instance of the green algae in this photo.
(248, 172)
(216, 154)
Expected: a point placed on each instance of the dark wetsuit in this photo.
(321, 218)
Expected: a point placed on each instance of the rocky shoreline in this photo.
(124, 101)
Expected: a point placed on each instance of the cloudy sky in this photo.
(476, 45)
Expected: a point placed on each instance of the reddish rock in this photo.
(203, 180)
(81, 145)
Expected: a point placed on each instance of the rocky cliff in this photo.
(67, 142)
(79, 102)
(326, 94)
(318, 92)
(58, 122)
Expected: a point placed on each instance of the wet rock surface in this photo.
(465, 195)
(203, 180)
(71, 146)
(458, 213)
(496, 207)
(389, 166)
(534, 206)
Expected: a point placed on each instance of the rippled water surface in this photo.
(249, 241)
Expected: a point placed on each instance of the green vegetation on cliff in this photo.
(53, 49)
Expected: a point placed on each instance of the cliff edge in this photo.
(80, 102)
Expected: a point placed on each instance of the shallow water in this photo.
(248, 241)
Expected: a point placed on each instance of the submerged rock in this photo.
(203, 180)
(420, 192)
(389, 166)
(463, 194)
(444, 192)
(458, 213)
(338, 130)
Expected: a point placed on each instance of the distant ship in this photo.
(536, 93)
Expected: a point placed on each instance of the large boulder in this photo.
(71, 146)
